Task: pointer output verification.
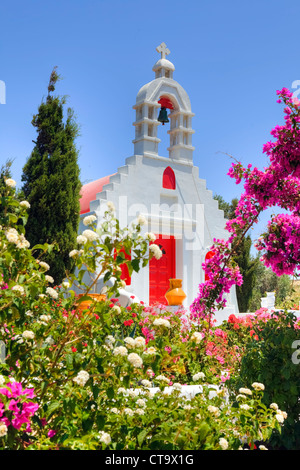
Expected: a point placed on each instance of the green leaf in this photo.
(107, 276)
(136, 264)
(141, 436)
(110, 393)
(69, 361)
(53, 406)
(100, 421)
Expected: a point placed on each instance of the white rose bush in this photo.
(108, 377)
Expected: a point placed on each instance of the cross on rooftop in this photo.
(162, 48)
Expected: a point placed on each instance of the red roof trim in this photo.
(89, 191)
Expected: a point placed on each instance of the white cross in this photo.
(162, 48)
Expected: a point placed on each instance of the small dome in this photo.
(163, 63)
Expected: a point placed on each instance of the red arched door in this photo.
(161, 270)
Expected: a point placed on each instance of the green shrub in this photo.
(74, 378)
(272, 360)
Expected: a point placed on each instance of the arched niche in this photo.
(169, 179)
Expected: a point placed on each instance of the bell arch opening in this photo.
(167, 106)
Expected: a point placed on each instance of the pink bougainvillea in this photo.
(276, 185)
(16, 407)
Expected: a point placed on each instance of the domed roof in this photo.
(89, 191)
(163, 63)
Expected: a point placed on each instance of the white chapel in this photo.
(167, 191)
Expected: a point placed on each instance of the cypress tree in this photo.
(51, 182)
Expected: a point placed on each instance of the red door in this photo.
(160, 271)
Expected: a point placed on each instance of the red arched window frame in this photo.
(169, 180)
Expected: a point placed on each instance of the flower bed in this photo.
(69, 375)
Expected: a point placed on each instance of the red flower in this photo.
(74, 349)
(134, 315)
(128, 322)
(128, 308)
(232, 318)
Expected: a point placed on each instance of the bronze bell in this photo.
(163, 116)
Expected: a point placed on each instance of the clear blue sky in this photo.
(230, 56)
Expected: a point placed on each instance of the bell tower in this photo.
(154, 101)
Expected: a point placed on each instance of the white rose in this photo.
(135, 360)
(120, 351)
(214, 410)
(104, 437)
(130, 343)
(279, 418)
(73, 253)
(43, 265)
(111, 206)
(198, 376)
(162, 378)
(150, 351)
(258, 386)
(177, 387)
(116, 309)
(50, 291)
(140, 342)
(245, 391)
(115, 411)
(12, 235)
(81, 378)
(22, 242)
(25, 204)
(90, 235)
(110, 339)
(3, 429)
(156, 251)
(146, 383)
(162, 322)
(197, 337)
(141, 220)
(18, 289)
(245, 407)
(81, 240)
(27, 334)
(89, 219)
(150, 236)
(45, 318)
(223, 443)
(141, 403)
(49, 278)
(10, 182)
